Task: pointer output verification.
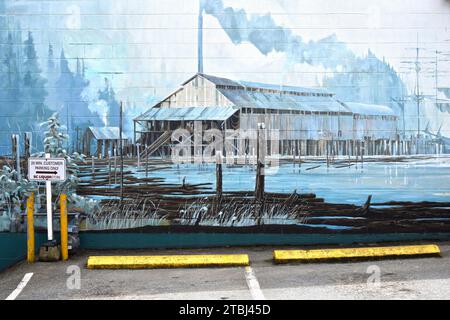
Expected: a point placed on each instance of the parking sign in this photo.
(53, 169)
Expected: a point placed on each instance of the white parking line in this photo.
(253, 284)
(20, 287)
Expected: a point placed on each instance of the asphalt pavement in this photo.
(417, 278)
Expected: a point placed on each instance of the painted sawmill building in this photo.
(309, 122)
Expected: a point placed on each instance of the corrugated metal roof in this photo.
(216, 80)
(244, 94)
(369, 109)
(281, 101)
(188, 114)
(248, 84)
(107, 133)
(282, 87)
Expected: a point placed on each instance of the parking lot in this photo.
(418, 278)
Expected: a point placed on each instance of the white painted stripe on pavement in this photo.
(20, 287)
(253, 284)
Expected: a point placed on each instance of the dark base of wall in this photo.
(13, 247)
(202, 240)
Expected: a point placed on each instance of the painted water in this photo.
(418, 180)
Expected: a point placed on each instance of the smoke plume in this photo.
(263, 32)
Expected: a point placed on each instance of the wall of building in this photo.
(323, 127)
(199, 92)
(291, 125)
(376, 127)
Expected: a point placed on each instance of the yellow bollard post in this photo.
(30, 228)
(64, 227)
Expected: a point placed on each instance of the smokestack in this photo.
(200, 38)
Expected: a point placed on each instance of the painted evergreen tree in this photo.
(13, 188)
(109, 96)
(51, 59)
(367, 80)
(52, 75)
(11, 93)
(33, 91)
(54, 143)
(3, 45)
(73, 105)
(9, 83)
(33, 83)
(13, 104)
(23, 88)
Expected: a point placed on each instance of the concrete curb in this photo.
(178, 261)
(286, 256)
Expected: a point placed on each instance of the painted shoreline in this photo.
(281, 229)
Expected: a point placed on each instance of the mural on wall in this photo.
(275, 115)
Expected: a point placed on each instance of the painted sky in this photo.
(149, 47)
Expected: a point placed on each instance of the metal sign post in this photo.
(48, 192)
(48, 170)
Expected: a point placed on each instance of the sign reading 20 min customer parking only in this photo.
(52, 169)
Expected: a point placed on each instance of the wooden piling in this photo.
(260, 154)
(115, 166)
(109, 168)
(93, 168)
(121, 153)
(146, 163)
(219, 174)
(16, 153)
(27, 151)
(13, 146)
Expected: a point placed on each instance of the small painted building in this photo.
(308, 121)
(102, 141)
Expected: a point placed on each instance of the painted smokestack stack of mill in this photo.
(200, 37)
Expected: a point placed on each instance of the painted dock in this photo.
(176, 261)
(286, 256)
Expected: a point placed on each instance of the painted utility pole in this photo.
(121, 153)
(416, 66)
(146, 162)
(418, 97)
(402, 104)
(78, 129)
(200, 38)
